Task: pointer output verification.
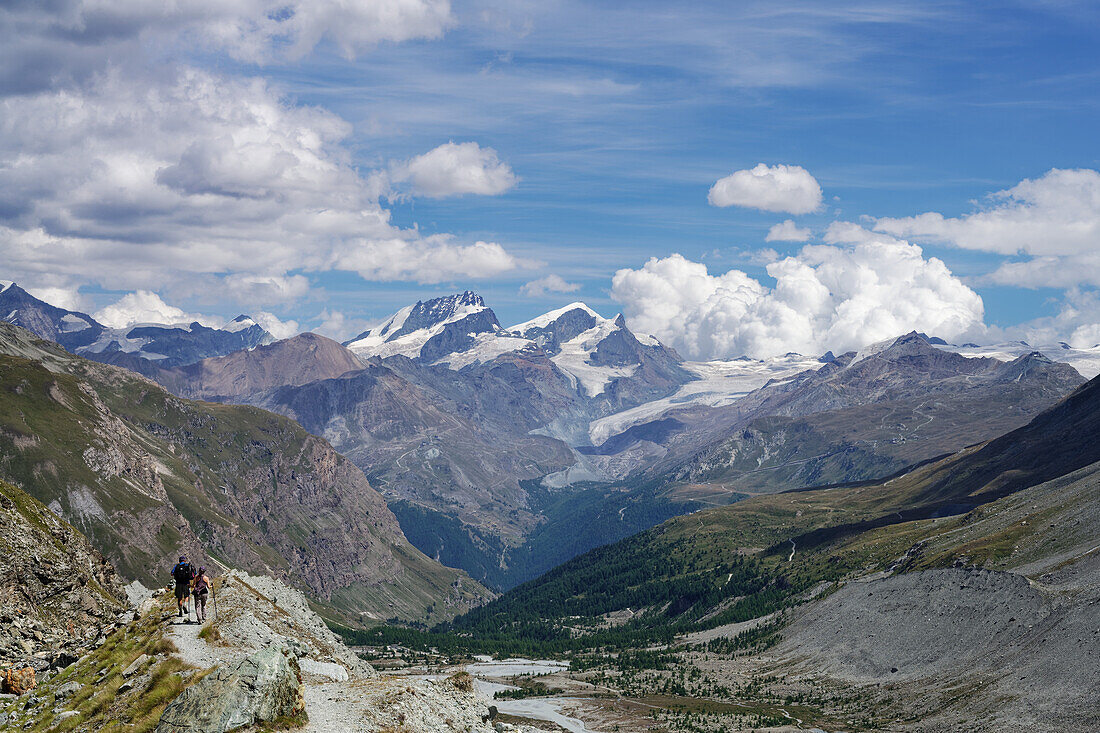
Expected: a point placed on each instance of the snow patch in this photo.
(5, 284)
(487, 346)
(240, 323)
(718, 383)
(72, 324)
(381, 342)
(574, 358)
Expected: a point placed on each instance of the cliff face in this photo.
(147, 476)
(56, 591)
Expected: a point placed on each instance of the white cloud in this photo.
(144, 306)
(431, 260)
(43, 44)
(272, 324)
(1057, 214)
(549, 284)
(263, 289)
(454, 169)
(787, 231)
(259, 30)
(825, 298)
(67, 298)
(1049, 272)
(133, 181)
(339, 326)
(785, 188)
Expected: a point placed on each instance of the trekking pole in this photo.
(214, 595)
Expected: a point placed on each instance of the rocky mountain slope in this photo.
(143, 348)
(57, 593)
(868, 415)
(146, 476)
(292, 362)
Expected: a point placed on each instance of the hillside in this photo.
(146, 476)
(56, 592)
(1000, 538)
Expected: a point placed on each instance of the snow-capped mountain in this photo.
(140, 347)
(71, 329)
(429, 330)
(460, 331)
(1084, 360)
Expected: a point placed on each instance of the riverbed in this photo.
(538, 708)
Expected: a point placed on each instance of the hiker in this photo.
(183, 574)
(200, 589)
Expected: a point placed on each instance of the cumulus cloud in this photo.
(131, 181)
(861, 288)
(787, 231)
(454, 169)
(784, 188)
(549, 284)
(272, 324)
(67, 298)
(1055, 214)
(144, 306)
(1049, 272)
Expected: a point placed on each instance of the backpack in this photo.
(201, 585)
(183, 572)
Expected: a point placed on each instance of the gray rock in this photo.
(67, 690)
(262, 687)
(333, 671)
(135, 666)
(66, 715)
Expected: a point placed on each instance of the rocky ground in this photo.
(264, 654)
(58, 596)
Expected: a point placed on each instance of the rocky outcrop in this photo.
(264, 687)
(57, 594)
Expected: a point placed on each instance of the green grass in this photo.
(99, 704)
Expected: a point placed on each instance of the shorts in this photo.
(182, 590)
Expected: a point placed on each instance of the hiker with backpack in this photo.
(200, 589)
(183, 574)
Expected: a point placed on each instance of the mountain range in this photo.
(146, 476)
(141, 347)
(507, 450)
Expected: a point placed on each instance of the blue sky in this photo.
(614, 121)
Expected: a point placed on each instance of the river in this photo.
(538, 708)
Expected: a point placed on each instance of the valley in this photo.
(684, 546)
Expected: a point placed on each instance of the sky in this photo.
(743, 178)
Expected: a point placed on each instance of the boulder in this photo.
(261, 688)
(17, 681)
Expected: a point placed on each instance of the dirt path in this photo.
(330, 706)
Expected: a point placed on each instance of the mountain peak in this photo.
(546, 319)
(409, 330)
